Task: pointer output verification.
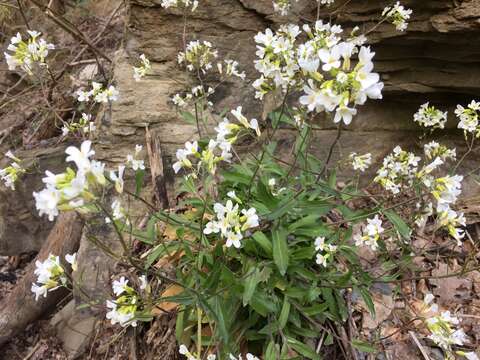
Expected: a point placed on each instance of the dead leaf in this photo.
(165, 306)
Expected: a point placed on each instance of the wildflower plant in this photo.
(11, 174)
(265, 248)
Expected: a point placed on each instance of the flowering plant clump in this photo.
(27, 53)
(265, 250)
(398, 15)
(10, 174)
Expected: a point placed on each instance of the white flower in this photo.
(142, 70)
(143, 282)
(81, 156)
(370, 233)
(330, 58)
(46, 202)
(39, 291)
(120, 286)
(183, 350)
(116, 315)
(233, 239)
(250, 219)
(344, 113)
(118, 179)
(72, 260)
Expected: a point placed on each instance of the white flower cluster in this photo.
(435, 150)
(231, 69)
(73, 190)
(444, 329)
(361, 162)
(85, 126)
(51, 275)
(446, 190)
(197, 94)
(134, 161)
(469, 117)
(324, 251)
(182, 4)
(217, 150)
(124, 308)
(10, 174)
(321, 66)
(98, 93)
(230, 222)
(25, 54)
(399, 169)
(370, 233)
(69, 190)
(438, 155)
(398, 15)
(282, 6)
(198, 56)
(141, 71)
(428, 116)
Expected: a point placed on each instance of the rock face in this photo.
(436, 60)
(21, 229)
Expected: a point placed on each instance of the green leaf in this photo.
(280, 249)
(282, 320)
(332, 304)
(188, 117)
(400, 225)
(250, 284)
(264, 242)
(368, 300)
(139, 175)
(284, 207)
(303, 349)
(271, 351)
(363, 346)
(220, 318)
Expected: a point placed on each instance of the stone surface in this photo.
(73, 328)
(21, 229)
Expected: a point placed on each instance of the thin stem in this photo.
(330, 152)
(264, 151)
